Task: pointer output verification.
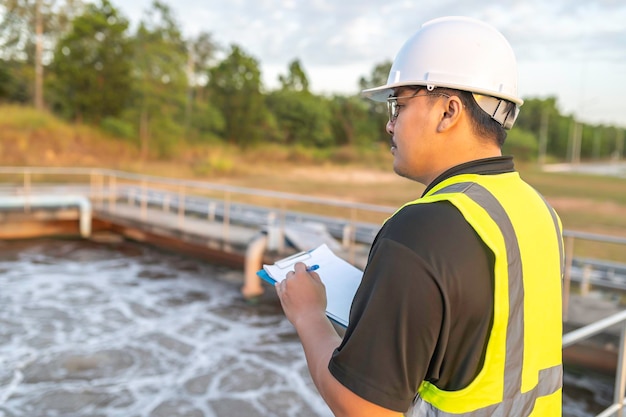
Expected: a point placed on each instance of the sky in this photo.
(568, 49)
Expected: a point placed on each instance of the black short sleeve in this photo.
(423, 310)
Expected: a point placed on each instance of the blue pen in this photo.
(312, 268)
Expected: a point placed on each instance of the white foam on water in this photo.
(123, 330)
(93, 330)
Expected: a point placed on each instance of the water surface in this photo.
(125, 330)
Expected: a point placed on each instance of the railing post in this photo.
(92, 183)
(112, 193)
(27, 190)
(620, 377)
(181, 206)
(346, 236)
(100, 191)
(281, 229)
(569, 256)
(226, 219)
(95, 188)
(585, 285)
(352, 235)
(166, 202)
(211, 208)
(144, 200)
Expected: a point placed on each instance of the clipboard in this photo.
(285, 264)
(340, 278)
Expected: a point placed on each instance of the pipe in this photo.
(252, 287)
(53, 201)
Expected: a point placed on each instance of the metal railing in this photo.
(108, 187)
(353, 223)
(569, 238)
(578, 335)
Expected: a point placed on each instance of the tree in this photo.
(296, 79)
(16, 82)
(235, 86)
(553, 131)
(301, 117)
(5, 80)
(92, 65)
(201, 49)
(379, 76)
(521, 143)
(353, 124)
(201, 117)
(160, 82)
(377, 111)
(28, 32)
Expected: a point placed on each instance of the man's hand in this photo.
(302, 294)
(303, 297)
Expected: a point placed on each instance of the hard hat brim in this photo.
(383, 92)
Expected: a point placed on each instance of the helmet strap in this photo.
(502, 111)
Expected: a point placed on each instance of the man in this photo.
(459, 309)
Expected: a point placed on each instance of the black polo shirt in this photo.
(424, 308)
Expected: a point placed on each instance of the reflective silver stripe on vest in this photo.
(559, 235)
(514, 403)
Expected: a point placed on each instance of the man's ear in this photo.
(452, 110)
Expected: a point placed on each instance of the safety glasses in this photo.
(394, 108)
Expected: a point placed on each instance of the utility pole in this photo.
(38, 57)
(576, 142)
(543, 136)
(597, 139)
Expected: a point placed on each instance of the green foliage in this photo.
(92, 66)
(29, 29)
(118, 127)
(301, 117)
(202, 50)
(214, 164)
(17, 85)
(206, 122)
(355, 123)
(5, 80)
(522, 144)
(542, 117)
(157, 89)
(296, 79)
(377, 111)
(235, 87)
(160, 84)
(27, 119)
(166, 136)
(203, 121)
(18, 25)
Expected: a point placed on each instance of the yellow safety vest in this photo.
(522, 371)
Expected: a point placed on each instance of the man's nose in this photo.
(389, 127)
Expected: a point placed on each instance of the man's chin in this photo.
(398, 170)
(404, 173)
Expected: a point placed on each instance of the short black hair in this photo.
(482, 123)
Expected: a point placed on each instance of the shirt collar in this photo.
(487, 166)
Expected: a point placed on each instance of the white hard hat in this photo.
(463, 54)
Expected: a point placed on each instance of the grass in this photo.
(590, 187)
(30, 138)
